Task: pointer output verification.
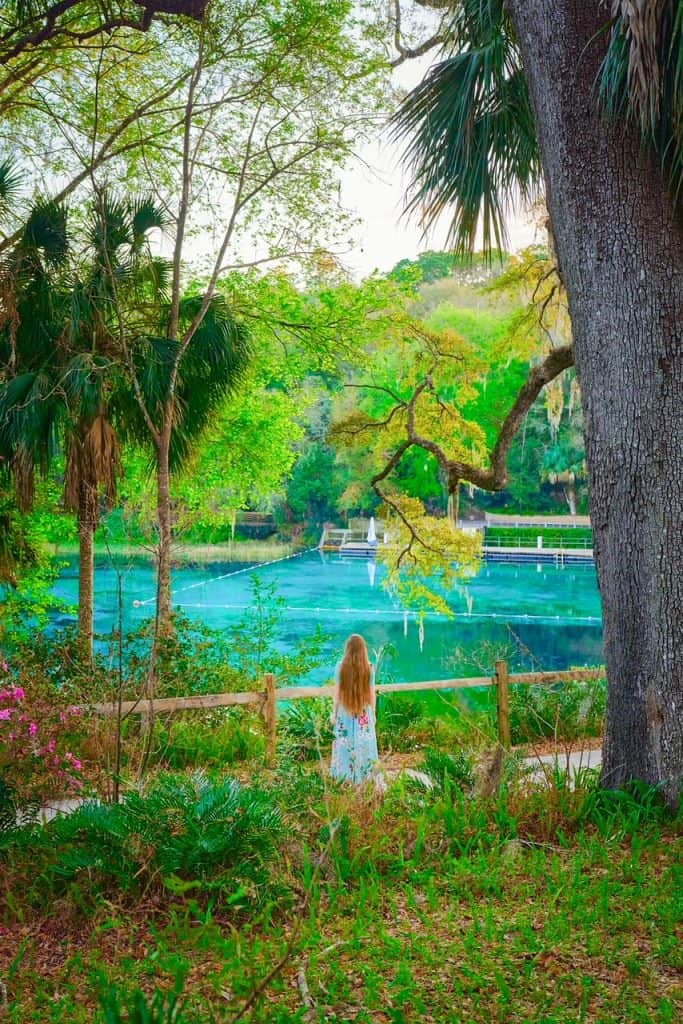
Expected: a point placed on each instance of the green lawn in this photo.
(529, 906)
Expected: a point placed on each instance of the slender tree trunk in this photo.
(570, 497)
(453, 509)
(165, 535)
(620, 249)
(86, 572)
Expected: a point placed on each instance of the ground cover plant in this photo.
(429, 904)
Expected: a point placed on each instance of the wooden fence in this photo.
(268, 697)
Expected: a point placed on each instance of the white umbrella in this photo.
(372, 536)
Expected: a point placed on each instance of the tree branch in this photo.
(495, 478)
(410, 52)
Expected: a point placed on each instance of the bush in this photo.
(183, 833)
(307, 728)
(407, 723)
(568, 711)
(38, 735)
(208, 739)
(454, 770)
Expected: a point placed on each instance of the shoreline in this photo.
(242, 551)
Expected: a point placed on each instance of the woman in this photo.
(354, 750)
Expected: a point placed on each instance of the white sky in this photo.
(374, 189)
(375, 193)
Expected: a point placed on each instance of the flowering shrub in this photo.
(36, 739)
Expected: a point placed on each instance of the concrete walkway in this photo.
(545, 765)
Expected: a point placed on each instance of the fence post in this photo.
(270, 717)
(502, 682)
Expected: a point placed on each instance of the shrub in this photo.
(455, 770)
(183, 833)
(208, 739)
(567, 711)
(38, 734)
(306, 726)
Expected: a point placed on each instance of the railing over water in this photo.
(268, 697)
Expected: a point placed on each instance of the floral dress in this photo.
(354, 750)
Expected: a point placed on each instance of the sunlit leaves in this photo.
(428, 557)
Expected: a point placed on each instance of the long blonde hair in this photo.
(355, 675)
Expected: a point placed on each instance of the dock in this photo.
(351, 542)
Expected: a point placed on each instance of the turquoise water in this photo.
(539, 616)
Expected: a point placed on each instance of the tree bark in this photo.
(165, 533)
(620, 248)
(86, 571)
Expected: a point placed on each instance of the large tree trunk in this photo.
(620, 249)
(86, 571)
(165, 536)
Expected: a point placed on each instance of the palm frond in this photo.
(641, 77)
(45, 232)
(145, 216)
(10, 184)
(469, 130)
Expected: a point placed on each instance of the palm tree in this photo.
(169, 388)
(179, 386)
(548, 91)
(64, 339)
(65, 390)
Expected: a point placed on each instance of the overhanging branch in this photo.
(495, 477)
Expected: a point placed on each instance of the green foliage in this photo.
(207, 740)
(469, 128)
(255, 648)
(196, 658)
(568, 711)
(624, 812)
(408, 723)
(316, 485)
(120, 1007)
(449, 770)
(433, 266)
(307, 728)
(182, 834)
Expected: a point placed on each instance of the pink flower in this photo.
(4, 666)
(51, 746)
(32, 729)
(363, 720)
(5, 713)
(76, 764)
(18, 693)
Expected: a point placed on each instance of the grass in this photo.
(535, 905)
(240, 551)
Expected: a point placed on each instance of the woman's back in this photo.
(354, 750)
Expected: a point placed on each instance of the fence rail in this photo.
(270, 695)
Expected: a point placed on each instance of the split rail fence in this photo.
(270, 695)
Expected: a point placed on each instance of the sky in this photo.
(374, 190)
(374, 187)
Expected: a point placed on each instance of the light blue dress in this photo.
(354, 749)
